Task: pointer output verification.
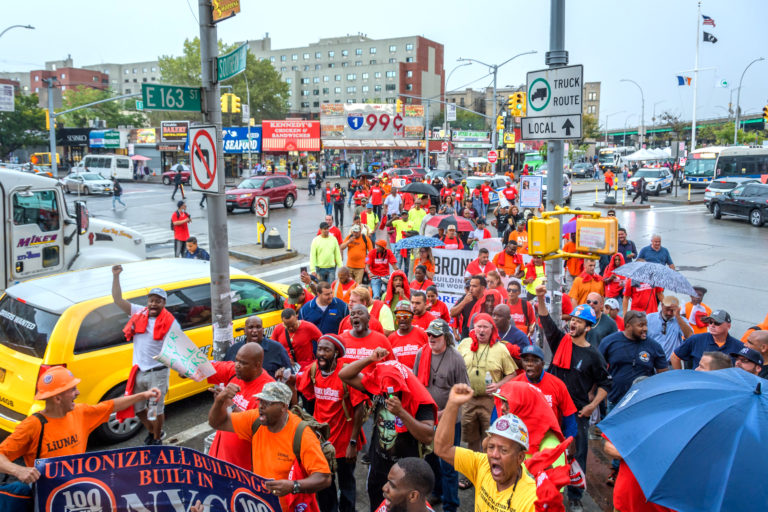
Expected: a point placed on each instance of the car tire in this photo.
(113, 431)
(756, 218)
(252, 208)
(230, 209)
(716, 213)
(669, 190)
(166, 180)
(289, 200)
(87, 191)
(658, 192)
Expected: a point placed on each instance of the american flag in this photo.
(708, 20)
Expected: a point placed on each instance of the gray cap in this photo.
(275, 392)
(510, 427)
(719, 316)
(159, 292)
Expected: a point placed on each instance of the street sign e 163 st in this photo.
(232, 63)
(171, 97)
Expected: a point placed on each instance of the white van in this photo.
(113, 166)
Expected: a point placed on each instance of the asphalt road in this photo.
(726, 256)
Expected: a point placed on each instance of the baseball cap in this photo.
(369, 205)
(295, 293)
(54, 381)
(719, 316)
(612, 303)
(670, 300)
(750, 355)
(438, 327)
(355, 229)
(159, 292)
(510, 427)
(337, 341)
(533, 350)
(275, 392)
(450, 227)
(404, 305)
(381, 243)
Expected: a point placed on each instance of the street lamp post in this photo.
(607, 116)
(625, 129)
(653, 118)
(642, 110)
(494, 69)
(445, 109)
(29, 27)
(738, 99)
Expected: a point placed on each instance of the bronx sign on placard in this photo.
(203, 159)
(554, 104)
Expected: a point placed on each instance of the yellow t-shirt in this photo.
(495, 359)
(400, 226)
(488, 498)
(415, 216)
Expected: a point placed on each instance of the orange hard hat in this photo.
(54, 381)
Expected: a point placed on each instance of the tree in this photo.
(677, 126)
(269, 94)
(464, 120)
(24, 127)
(589, 127)
(112, 112)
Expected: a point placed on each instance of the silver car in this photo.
(86, 183)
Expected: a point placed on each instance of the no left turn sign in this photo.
(203, 159)
(261, 206)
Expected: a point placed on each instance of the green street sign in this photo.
(171, 97)
(139, 105)
(231, 64)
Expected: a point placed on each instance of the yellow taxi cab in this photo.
(70, 319)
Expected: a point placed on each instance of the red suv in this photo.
(279, 189)
(169, 176)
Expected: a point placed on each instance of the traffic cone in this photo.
(273, 240)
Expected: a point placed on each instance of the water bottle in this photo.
(488, 379)
(152, 410)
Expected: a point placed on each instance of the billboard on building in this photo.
(371, 121)
(174, 131)
(236, 139)
(290, 135)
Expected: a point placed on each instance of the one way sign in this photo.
(551, 127)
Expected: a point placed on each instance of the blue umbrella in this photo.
(416, 242)
(695, 440)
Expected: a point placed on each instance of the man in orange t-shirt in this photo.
(587, 282)
(272, 441)
(343, 285)
(63, 424)
(508, 261)
(358, 246)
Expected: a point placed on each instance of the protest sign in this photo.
(148, 479)
(180, 353)
(531, 191)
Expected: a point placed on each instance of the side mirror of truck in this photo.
(81, 217)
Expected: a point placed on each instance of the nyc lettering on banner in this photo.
(148, 479)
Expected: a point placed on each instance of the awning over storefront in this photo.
(373, 144)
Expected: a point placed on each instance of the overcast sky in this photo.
(650, 41)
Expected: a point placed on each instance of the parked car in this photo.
(86, 183)
(70, 319)
(567, 189)
(582, 170)
(657, 179)
(720, 186)
(497, 182)
(169, 176)
(746, 200)
(444, 175)
(404, 172)
(279, 189)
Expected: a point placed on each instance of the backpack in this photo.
(16, 496)
(321, 430)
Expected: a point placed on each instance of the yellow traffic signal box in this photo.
(597, 235)
(543, 236)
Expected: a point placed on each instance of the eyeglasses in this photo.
(403, 315)
(712, 322)
(434, 335)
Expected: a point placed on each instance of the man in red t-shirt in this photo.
(376, 198)
(247, 374)
(486, 190)
(180, 220)
(521, 310)
(510, 193)
(407, 339)
(340, 406)
(360, 341)
(480, 266)
(643, 297)
(628, 496)
(298, 337)
(554, 389)
(421, 317)
(377, 265)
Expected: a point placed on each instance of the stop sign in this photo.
(492, 156)
(445, 147)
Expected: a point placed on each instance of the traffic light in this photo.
(512, 103)
(523, 108)
(500, 123)
(398, 106)
(47, 119)
(235, 104)
(225, 102)
(765, 113)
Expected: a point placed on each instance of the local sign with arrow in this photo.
(554, 104)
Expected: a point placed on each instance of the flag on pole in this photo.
(709, 38)
(683, 80)
(708, 20)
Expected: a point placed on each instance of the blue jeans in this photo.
(376, 287)
(117, 198)
(328, 208)
(349, 197)
(446, 476)
(580, 448)
(326, 274)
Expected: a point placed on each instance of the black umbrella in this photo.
(420, 188)
(366, 175)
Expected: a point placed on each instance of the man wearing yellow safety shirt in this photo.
(535, 275)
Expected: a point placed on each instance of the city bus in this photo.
(700, 166)
(610, 158)
(743, 162)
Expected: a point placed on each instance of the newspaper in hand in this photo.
(180, 354)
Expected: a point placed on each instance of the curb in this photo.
(286, 255)
(622, 206)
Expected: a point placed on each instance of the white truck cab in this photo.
(40, 236)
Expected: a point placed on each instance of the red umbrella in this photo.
(443, 221)
(139, 158)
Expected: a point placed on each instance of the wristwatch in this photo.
(353, 442)
(296, 487)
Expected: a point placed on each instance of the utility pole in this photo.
(738, 101)
(426, 137)
(221, 304)
(556, 57)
